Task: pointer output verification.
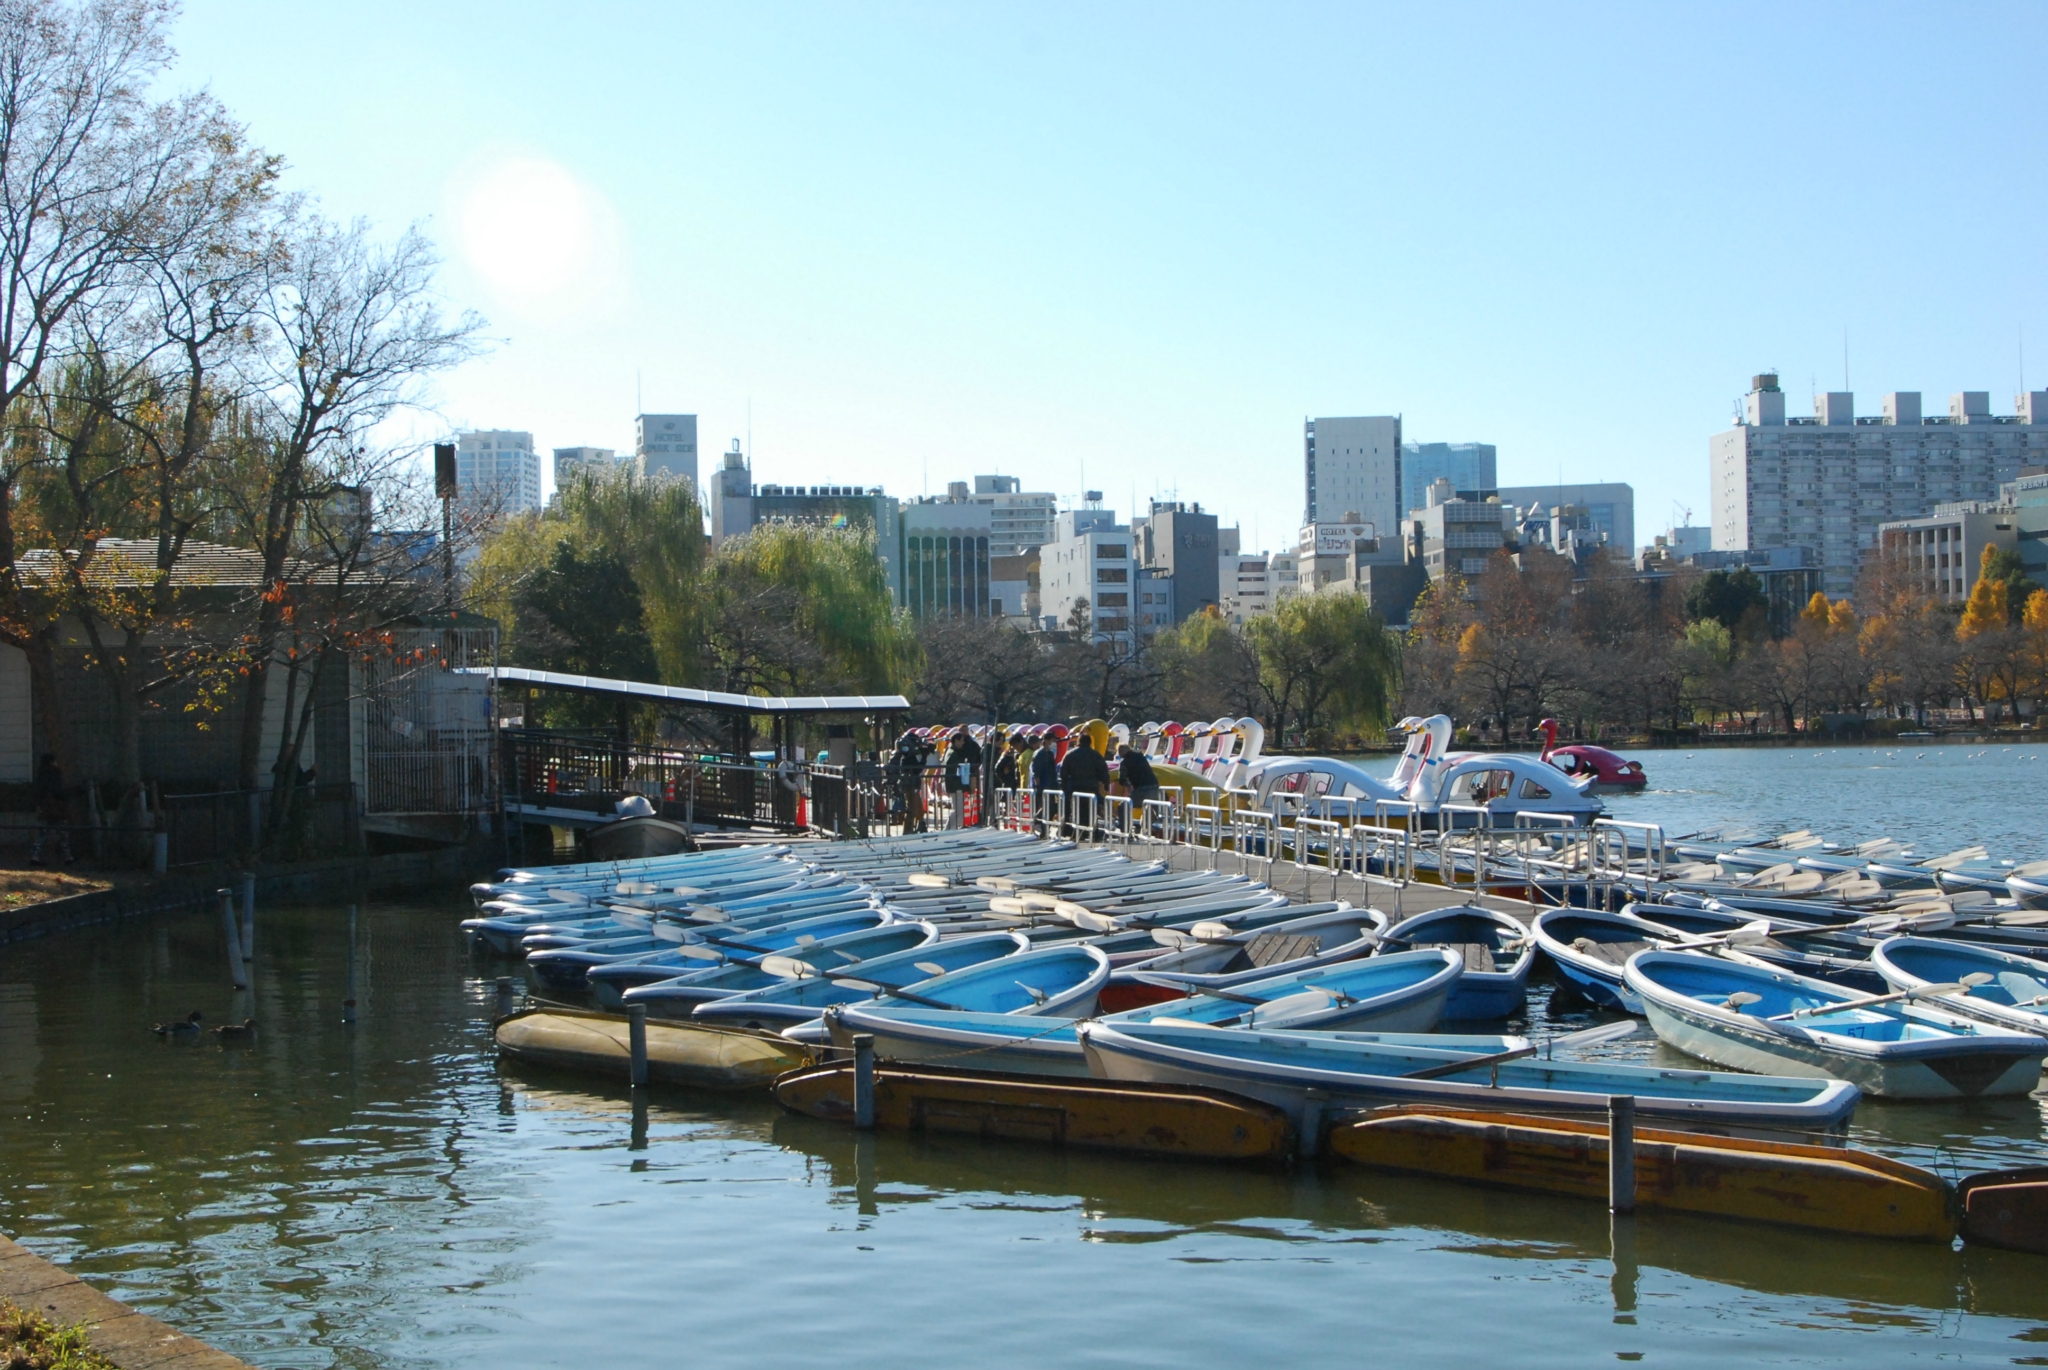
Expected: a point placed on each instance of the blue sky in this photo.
(1133, 246)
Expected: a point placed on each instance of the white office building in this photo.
(1256, 583)
(666, 445)
(1830, 482)
(1019, 519)
(497, 471)
(1091, 558)
(1353, 469)
(570, 460)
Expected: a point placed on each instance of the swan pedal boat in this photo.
(1892, 1050)
(1281, 1067)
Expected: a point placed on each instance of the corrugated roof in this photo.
(706, 699)
(134, 560)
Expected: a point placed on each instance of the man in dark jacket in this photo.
(963, 775)
(1083, 772)
(1045, 775)
(1136, 774)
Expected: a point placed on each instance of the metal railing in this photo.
(1540, 857)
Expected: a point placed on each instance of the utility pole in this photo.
(445, 487)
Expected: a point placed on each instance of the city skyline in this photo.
(1073, 246)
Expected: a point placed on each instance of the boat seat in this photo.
(1272, 948)
(1478, 955)
(1613, 953)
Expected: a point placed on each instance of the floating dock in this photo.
(1149, 1120)
(1830, 1189)
(677, 1053)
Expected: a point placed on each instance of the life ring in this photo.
(787, 772)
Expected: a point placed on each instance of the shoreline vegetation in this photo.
(30, 1341)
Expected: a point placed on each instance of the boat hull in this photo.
(1344, 1076)
(1959, 1066)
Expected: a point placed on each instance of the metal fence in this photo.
(431, 733)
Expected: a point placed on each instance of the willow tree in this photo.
(793, 609)
(603, 582)
(1326, 662)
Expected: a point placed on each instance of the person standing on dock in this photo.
(53, 811)
(1045, 774)
(1136, 774)
(963, 771)
(1083, 772)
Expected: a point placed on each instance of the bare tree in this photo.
(91, 179)
(354, 336)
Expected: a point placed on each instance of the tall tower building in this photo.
(1353, 469)
(497, 471)
(666, 445)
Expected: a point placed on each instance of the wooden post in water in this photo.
(1621, 1154)
(864, 1081)
(508, 997)
(348, 1002)
(636, 1040)
(237, 976)
(159, 852)
(249, 919)
(1309, 1141)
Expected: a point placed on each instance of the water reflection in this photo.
(388, 1193)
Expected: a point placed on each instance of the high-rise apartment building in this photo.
(1830, 482)
(1468, 466)
(1019, 519)
(666, 445)
(1353, 470)
(497, 471)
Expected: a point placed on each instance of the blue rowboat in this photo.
(1059, 981)
(1219, 955)
(1281, 1067)
(1400, 992)
(1011, 1044)
(1799, 1026)
(1589, 948)
(2015, 997)
(799, 1001)
(1838, 958)
(619, 974)
(745, 969)
(611, 981)
(1495, 951)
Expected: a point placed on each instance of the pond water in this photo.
(388, 1194)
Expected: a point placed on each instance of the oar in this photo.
(1884, 923)
(1605, 1032)
(889, 992)
(1962, 986)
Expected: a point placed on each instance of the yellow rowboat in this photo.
(677, 1053)
(1831, 1189)
(1151, 1120)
